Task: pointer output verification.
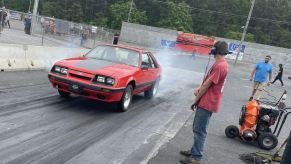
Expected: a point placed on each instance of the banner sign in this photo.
(168, 43)
(232, 47)
(189, 42)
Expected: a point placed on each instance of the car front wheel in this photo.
(126, 99)
(153, 91)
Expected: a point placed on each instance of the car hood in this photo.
(95, 66)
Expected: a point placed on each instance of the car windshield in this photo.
(115, 54)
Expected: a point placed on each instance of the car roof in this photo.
(124, 46)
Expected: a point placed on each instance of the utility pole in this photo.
(245, 31)
(29, 5)
(34, 15)
(129, 13)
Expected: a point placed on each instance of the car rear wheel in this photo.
(126, 99)
(153, 91)
(64, 94)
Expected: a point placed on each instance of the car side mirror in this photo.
(144, 66)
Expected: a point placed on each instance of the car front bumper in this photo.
(83, 89)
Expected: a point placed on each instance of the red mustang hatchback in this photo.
(109, 73)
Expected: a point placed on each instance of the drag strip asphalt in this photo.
(38, 126)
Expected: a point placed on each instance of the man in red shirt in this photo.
(207, 101)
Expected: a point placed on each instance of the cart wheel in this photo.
(267, 141)
(232, 131)
(242, 115)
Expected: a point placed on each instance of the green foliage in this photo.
(176, 17)
(237, 35)
(75, 12)
(51, 9)
(233, 35)
(120, 12)
(20, 5)
(270, 23)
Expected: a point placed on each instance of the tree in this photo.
(75, 12)
(119, 12)
(237, 36)
(270, 22)
(18, 5)
(176, 16)
(52, 9)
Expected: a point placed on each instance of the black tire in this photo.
(286, 155)
(242, 115)
(123, 105)
(267, 141)
(64, 94)
(153, 91)
(232, 131)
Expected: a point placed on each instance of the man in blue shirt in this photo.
(261, 72)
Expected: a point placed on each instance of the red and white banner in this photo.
(189, 42)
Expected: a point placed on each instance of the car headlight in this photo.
(61, 70)
(110, 81)
(101, 79)
(57, 69)
(104, 80)
(64, 71)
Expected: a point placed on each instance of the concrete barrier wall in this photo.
(255, 52)
(12, 57)
(145, 35)
(27, 57)
(151, 37)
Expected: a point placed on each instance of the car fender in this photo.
(130, 79)
(124, 81)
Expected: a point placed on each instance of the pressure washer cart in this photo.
(256, 119)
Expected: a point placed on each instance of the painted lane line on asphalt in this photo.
(168, 134)
(244, 79)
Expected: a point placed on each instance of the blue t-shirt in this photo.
(262, 71)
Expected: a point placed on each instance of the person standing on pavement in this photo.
(3, 17)
(7, 21)
(261, 71)
(115, 39)
(193, 56)
(207, 101)
(42, 22)
(279, 75)
(27, 23)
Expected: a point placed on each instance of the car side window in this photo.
(145, 61)
(153, 64)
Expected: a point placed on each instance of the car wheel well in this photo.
(132, 83)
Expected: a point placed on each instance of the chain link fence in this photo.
(66, 32)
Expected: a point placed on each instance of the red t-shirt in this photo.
(217, 75)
